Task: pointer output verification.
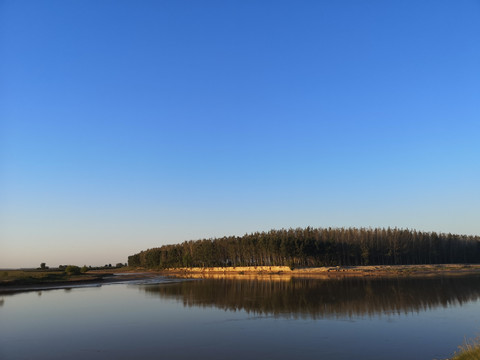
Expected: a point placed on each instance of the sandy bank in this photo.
(380, 270)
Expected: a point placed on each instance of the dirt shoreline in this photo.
(377, 270)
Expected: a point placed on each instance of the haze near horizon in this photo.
(128, 125)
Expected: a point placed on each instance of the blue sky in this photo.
(125, 125)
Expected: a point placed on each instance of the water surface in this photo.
(252, 318)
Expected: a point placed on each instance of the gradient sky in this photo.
(126, 125)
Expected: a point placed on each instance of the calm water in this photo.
(350, 319)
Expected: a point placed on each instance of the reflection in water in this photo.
(2, 301)
(316, 298)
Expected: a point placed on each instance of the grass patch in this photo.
(28, 277)
(469, 351)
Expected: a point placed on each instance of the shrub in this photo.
(470, 350)
(72, 270)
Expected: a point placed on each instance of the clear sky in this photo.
(127, 125)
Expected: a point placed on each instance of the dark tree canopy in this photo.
(312, 247)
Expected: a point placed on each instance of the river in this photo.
(248, 318)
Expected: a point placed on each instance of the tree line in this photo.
(312, 247)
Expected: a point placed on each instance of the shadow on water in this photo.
(318, 298)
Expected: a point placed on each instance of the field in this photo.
(28, 277)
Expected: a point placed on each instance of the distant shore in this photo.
(99, 277)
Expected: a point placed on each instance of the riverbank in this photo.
(378, 270)
(21, 280)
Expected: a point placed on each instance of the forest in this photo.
(313, 247)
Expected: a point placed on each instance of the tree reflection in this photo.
(320, 298)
